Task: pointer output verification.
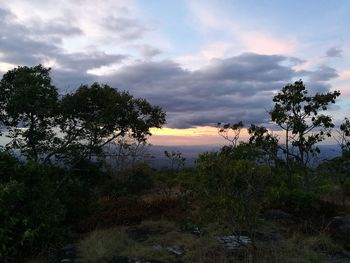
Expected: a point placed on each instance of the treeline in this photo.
(65, 175)
(63, 138)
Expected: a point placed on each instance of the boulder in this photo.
(235, 242)
(175, 249)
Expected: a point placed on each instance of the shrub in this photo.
(230, 190)
(31, 216)
(130, 183)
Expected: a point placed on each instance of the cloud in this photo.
(211, 86)
(345, 74)
(334, 52)
(322, 73)
(226, 90)
(21, 45)
(148, 52)
(265, 43)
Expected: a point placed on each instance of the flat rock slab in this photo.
(175, 249)
(235, 242)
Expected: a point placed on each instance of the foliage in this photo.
(230, 190)
(176, 159)
(74, 127)
(262, 145)
(298, 114)
(337, 171)
(132, 182)
(31, 215)
(126, 153)
(266, 143)
(344, 135)
(28, 107)
(96, 115)
(226, 129)
(127, 211)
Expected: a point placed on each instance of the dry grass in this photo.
(104, 245)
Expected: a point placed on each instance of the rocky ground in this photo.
(166, 241)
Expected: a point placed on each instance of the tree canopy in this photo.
(42, 124)
(28, 107)
(300, 116)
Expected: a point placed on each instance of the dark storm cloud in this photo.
(248, 67)
(73, 68)
(334, 52)
(227, 90)
(323, 73)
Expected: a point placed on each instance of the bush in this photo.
(132, 182)
(31, 216)
(230, 190)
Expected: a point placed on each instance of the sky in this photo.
(202, 61)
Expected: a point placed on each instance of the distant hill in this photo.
(190, 152)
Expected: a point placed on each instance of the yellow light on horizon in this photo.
(195, 131)
(200, 135)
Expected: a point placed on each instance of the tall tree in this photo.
(28, 106)
(95, 115)
(300, 116)
(42, 125)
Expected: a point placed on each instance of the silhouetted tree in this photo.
(298, 114)
(77, 126)
(176, 159)
(93, 116)
(231, 132)
(28, 107)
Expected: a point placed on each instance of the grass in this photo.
(105, 244)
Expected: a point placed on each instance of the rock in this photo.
(196, 231)
(276, 215)
(235, 242)
(175, 249)
(157, 246)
